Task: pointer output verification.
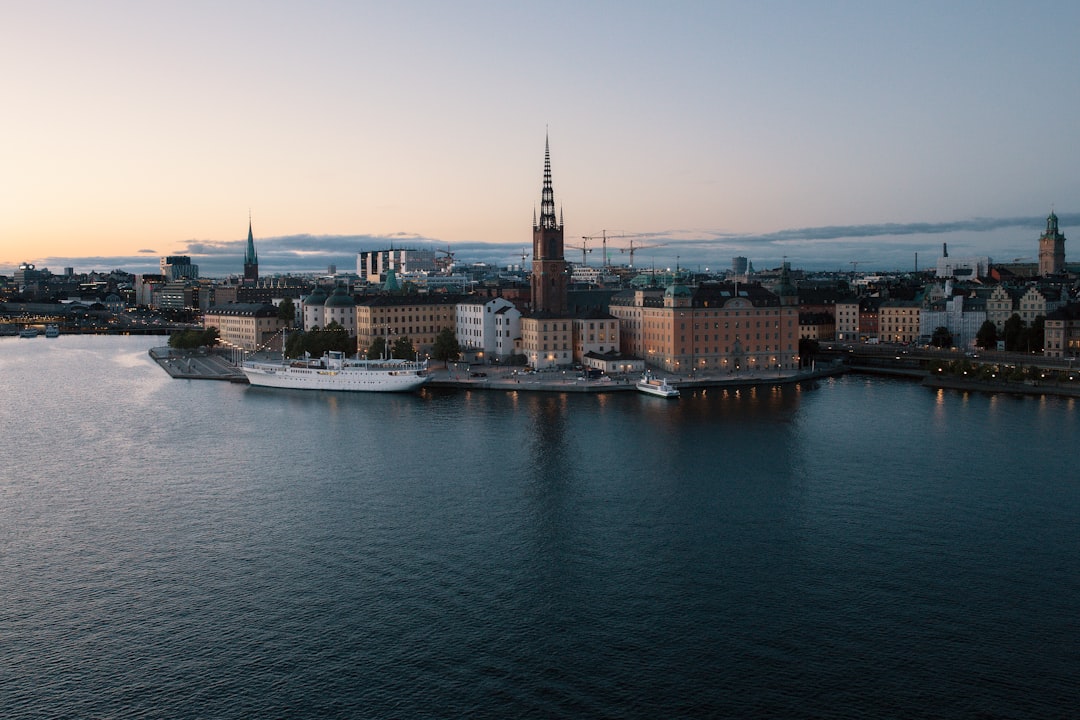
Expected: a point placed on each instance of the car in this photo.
(478, 374)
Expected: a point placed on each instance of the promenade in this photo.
(195, 365)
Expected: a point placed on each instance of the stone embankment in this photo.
(196, 365)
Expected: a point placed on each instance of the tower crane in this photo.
(446, 262)
(634, 248)
(583, 247)
(603, 237)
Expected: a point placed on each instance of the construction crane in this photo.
(447, 262)
(634, 248)
(583, 248)
(604, 237)
(524, 254)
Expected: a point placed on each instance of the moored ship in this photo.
(333, 371)
(659, 387)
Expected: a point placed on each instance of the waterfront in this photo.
(865, 547)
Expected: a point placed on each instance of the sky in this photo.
(830, 134)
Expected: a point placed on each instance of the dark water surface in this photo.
(196, 549)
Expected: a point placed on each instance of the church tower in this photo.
(1051, 248)
(549, 271)
(251, 260)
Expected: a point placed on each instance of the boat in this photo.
(28, 332)
(333, 371)
(52, 331)
(659, 387)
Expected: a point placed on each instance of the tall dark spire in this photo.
(547, 195)
(251, 259)
(549, 270)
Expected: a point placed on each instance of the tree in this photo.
(987, 337)
(287, 311)
(941, 338)
(1014, 333)
(294, 346)
(446, 347)
(1036, 335)
(194, 338)
(403, 349)
(377, 349)
(807, 350)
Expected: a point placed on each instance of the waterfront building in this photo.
(816, 326)
(547, 332)
(1061, 332)
(847, 320)
(596, 334)
(418, 317)
(486, 328)
(898, 321)
(312, 309)
(340, 308)
(869, 307)
(714, 326)
(249, 326)
(251, 259)
(961, 315)
(1051, 248)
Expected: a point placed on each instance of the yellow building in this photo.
(898, 321)
(249, 326)
(547, 342)
(418, 317)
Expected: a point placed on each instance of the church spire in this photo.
(547, 195)
(251, 259)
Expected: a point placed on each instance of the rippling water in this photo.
(196, 549)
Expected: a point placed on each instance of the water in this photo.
(196, 549)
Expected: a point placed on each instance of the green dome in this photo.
(340, 298)
(316, 298)
(676, 290)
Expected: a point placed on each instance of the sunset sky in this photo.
(826, 132)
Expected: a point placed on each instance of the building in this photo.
(816, 326)
(847, 320)
(251, 259)
(596, 334)
(549, 269)
(486, 328)
(373, 265)
(418, 317)
(1051, 248)
(1001, 305)
(1061, 332)
(179, 267)
(898, 321)
(961, 315)
(547, 333)
(248, 326)
(1040, 300)
(714, 327)
(340, 308)
(178, 295)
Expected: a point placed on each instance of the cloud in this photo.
(884, 246)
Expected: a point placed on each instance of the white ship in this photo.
(333, 371)
(660, 388)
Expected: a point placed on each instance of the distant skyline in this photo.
(831, 133)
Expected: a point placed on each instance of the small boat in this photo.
(659, 387)
(28, 332)
(52, 331)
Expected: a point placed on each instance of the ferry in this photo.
(52, 331)
(333, 371)
(28, 332)
(661, 388)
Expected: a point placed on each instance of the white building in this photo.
(964, 268)
(372, 265)
(486, 329)
(847, 321)
(962, 316)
